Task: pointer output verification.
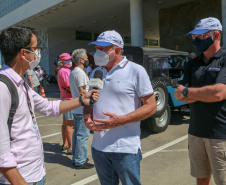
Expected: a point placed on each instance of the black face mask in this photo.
(86, 63)
(203, 45)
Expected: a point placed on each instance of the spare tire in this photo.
(159, 124)
(161, 96)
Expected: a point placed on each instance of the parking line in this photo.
(147, 154)
(40, 117)
(49, 125)
(164, 146)
(87, 180)
(51, 135)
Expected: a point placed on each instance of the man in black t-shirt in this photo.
(203, 85)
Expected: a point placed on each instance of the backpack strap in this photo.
(14, 100)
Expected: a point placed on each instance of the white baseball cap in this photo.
(205, 25)
(108, 38)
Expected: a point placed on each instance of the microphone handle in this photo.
(92, 100)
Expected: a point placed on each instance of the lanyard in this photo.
(29, 105)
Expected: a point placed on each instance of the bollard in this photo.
(43, 92)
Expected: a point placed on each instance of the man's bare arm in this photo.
(13, 176)
(82, 90)
(210, 93)
(187, 100)
(68, 105)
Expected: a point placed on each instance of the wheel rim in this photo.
(160, 98)
(162, 120)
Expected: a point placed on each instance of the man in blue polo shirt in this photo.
(204, 87)
(116, 145)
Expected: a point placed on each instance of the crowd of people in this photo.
(117, 112)
(37, 78)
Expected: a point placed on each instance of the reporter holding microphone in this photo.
(21, 148)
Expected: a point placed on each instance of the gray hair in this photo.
(77, 54)
(121, 51)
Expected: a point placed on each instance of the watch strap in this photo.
(81, 101)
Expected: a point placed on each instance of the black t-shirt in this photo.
(208, 120)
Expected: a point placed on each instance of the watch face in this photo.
(185, 91)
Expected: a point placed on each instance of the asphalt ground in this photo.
(165, 155)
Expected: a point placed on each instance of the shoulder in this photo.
(62, 71)
(191, 62)
(5, 94)
(136, 68)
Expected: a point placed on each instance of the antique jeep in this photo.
(163, 78)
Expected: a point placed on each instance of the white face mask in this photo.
(101, 58)
(68, 63)
(35, 62)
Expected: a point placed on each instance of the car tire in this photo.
(160, 123)
(161, 96)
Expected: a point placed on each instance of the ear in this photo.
(117, 50)
(81, 60)
(216, 35)
(22, 54)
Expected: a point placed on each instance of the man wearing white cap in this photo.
(116, 148)
(204, 87)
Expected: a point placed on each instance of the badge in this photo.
(37, 131)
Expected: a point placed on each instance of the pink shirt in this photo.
(25, 152)
(63, 82)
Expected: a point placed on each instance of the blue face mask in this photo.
(203, 45)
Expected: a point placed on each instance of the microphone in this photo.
(96, 83)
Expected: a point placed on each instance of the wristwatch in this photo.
(81, 101)
(185, 92)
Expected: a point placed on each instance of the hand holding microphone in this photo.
(96, 83)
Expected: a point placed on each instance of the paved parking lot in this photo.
(165, 155)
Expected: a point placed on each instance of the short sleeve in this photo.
(29, 72)
(89, 69)
(221, 78)
(143, 83)
(82, 79)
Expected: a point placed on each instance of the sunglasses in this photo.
(203, 36)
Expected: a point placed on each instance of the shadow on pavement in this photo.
(180, 116)
(53, 154)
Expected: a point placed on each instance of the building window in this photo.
(7, 6)
(83, 35)
(153, 42)
(127, 40)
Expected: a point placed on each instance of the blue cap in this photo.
(198, 31)
(205, 25)
(99, 43)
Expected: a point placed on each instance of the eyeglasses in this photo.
(203, 36)
(39, 49)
